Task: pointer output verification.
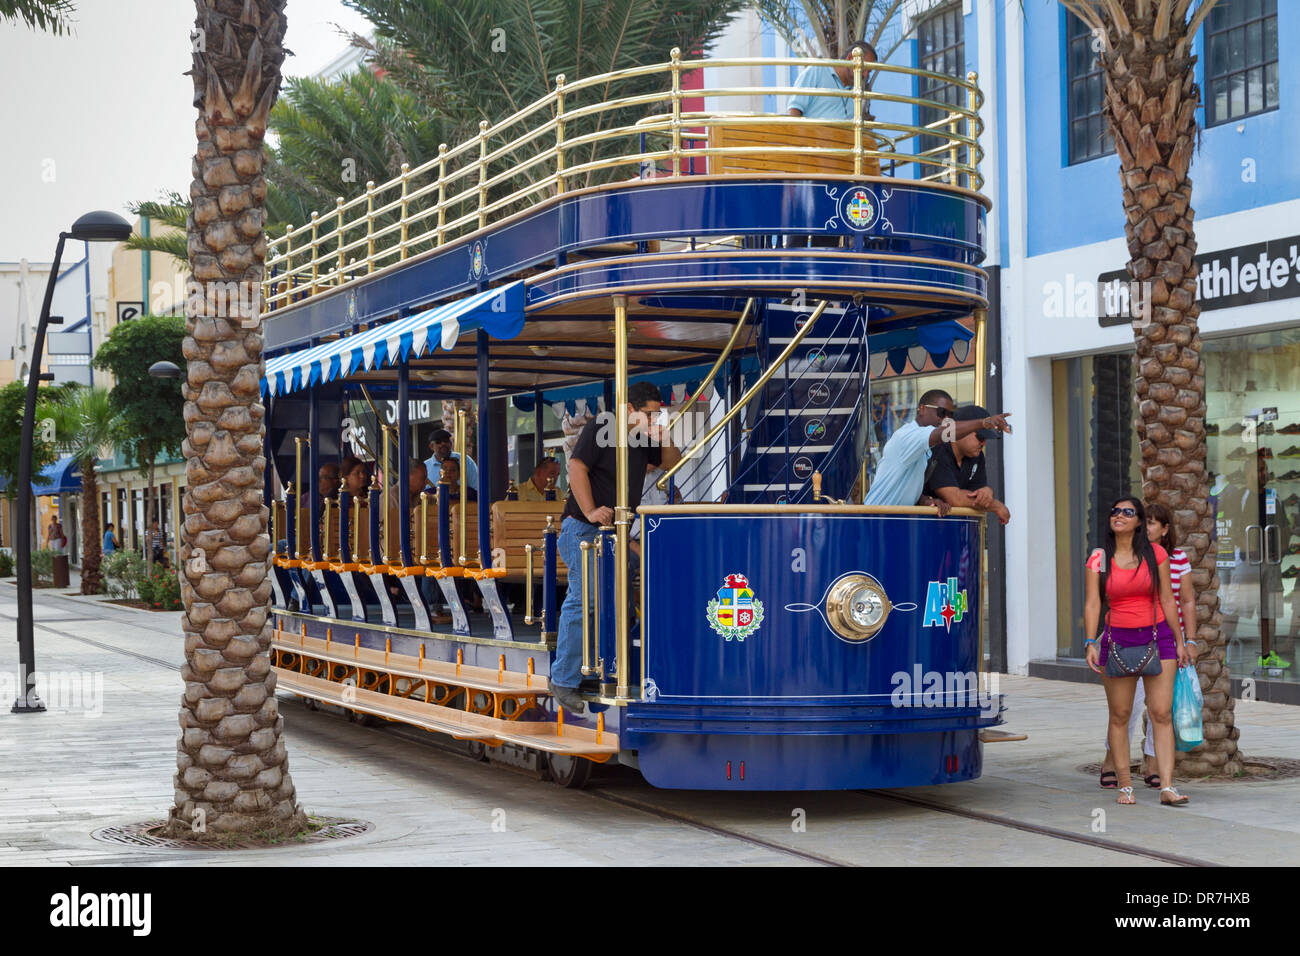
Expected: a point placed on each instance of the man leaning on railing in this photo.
(825, 78)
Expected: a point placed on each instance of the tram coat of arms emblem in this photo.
(860, 208)
(734, 613)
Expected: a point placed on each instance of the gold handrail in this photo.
(745, 399)
(449, 191)
(722, 357)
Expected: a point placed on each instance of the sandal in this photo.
(1126, 797)
(1110, 784)
(1152, 780)
(1179, 800)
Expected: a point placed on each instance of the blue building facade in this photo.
(1061, 361)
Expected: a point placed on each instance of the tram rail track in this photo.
(597, 792)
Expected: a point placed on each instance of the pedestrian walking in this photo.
(1160, 530)
(1141, 638)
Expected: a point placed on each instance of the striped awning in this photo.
(938, 340)
(499, 311)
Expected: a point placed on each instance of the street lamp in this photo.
(100, 226)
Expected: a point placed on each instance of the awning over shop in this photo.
(61, 478)
(499, 311)
(939, 341)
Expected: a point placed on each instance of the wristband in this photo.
(1091, 640)
(1192, 643)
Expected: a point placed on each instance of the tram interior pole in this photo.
(622, 517)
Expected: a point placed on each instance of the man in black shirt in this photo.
(957, 475)
(593, 474)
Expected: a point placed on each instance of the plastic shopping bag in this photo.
(1187, 709)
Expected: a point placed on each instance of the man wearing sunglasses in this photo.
(900, 478)
(957, 474)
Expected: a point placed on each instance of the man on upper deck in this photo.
(900, 478)
(592, 494)
(825, 78)
(957, 473)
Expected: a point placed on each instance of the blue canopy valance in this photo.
(593, 393)
(940, 341)
(499, 311)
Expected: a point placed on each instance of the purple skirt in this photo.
(1166, 646)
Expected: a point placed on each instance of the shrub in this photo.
(6, 564)
(43, 566)
(123, 571)
(162, 589)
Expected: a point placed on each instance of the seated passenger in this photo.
(440, 445)
(328, 481)
(451, 477)
(417, 477)
(957, 474)
(900, 479)
(356, 476)
(534, 489)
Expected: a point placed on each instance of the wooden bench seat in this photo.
(516, 524)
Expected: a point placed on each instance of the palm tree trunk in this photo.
(232, 767)
(91, 542)
(1151, 102)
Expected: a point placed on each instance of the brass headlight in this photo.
(857, 607)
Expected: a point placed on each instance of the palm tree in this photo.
(1150, 105)
(49, 15)
(827, 28)
(233, 775)
(85, 429)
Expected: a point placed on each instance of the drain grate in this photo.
(147, 836)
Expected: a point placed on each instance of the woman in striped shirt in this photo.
(1160, 530)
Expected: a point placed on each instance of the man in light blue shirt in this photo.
(901, 476)
(440, 445)
(825, 78)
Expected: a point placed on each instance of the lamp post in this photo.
(98, 226)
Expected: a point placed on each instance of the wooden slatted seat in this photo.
(803, 135)
(519, 523)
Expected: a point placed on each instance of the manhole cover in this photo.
(147, 836)
(1253, 768)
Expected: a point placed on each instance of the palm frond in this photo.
(49, 16)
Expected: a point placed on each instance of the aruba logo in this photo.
(944, 604)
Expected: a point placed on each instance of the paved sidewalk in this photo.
(66, 773)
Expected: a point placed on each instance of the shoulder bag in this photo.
(1140, 661)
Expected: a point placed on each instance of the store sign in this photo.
(1242, 275)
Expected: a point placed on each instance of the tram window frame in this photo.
(1229, 21)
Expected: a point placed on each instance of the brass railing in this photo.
(562, 142)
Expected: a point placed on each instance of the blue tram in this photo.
(758, 629)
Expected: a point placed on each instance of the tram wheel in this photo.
(568, 771)
(477, 750)
(363, 720)
(310, 703)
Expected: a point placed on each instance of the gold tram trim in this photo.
(462, 724)
(790, 510)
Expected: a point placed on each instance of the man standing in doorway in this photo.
(593, 470)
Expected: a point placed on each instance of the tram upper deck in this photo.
(640, 183)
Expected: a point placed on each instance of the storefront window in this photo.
(1253, 464)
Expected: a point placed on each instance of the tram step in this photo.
(461, 724)
(404, 665)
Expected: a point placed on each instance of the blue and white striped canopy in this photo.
(500, 311)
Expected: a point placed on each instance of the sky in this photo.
(105, 116)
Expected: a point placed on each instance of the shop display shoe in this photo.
(1272, 660)
(1238, 453)
(1291, 572)
(1292, 452)
(1265, 453)
(1290, 476)
(1291, 503)
(1211, 431)
(1234, 429)
(1292, 429)
(1265, 429)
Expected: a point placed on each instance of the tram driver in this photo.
(592, 495)
(900, 478)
